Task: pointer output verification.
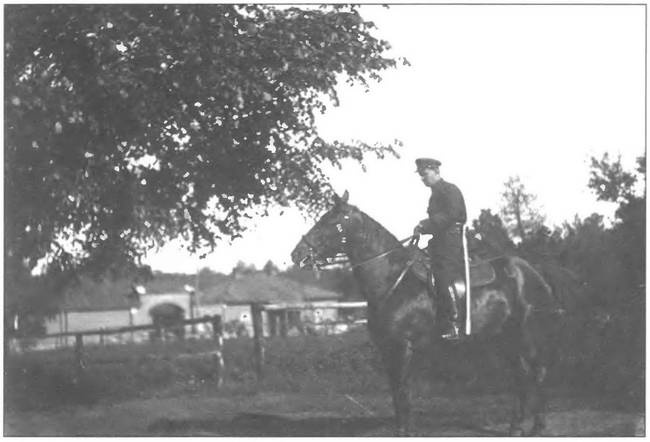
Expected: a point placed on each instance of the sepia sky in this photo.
(492, 91)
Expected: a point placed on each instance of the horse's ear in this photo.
(339, 200)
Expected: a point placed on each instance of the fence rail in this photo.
(217, 333)
(280, 312)
(132, 328)
(311, 305)
(277, 313)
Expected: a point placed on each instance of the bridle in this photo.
(343, 240)
(313, 251)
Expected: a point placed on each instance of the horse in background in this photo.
(513, 309)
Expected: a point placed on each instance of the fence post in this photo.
(258, 339)
(80, 364)
(217, 334)
(283, 323)
(59, 339)
(65, 326)
(272, 317)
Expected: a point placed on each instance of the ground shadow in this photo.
(255, 425)
(252, 424)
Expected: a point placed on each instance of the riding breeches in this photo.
(446, 253)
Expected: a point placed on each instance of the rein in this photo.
(366, 261)
(386, 253)
(345, 260)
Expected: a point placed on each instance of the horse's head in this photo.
(329, 236)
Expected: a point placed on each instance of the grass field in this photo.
(46, 379)
(307, 378)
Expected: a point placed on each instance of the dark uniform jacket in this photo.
(446, 208)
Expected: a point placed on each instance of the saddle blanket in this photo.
(480, 273)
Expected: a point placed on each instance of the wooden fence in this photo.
(280, 313)
(81, 364)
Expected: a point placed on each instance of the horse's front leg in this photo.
(539, 405)
(397, 358)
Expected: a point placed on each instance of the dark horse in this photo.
(402, 316)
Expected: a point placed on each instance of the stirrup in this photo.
(452, 334)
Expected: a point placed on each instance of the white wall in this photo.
(91, 320)
(147, 302)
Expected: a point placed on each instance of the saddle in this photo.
(480, 273)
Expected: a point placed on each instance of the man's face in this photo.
(429, 176)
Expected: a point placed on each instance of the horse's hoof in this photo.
(516, 432)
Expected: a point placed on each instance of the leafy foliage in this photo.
(489, 236)
(612, 183)
(597, 272)
(129, 125)
(520, 215)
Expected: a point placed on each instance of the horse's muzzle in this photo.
(302, 255)
(305, 262)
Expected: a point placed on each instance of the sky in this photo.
(492, 92)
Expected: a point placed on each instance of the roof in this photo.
(176, 282)
(262, 287)
(101, 294)
(213, 288)
(108, 293)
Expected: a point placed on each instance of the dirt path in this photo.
(275, 414)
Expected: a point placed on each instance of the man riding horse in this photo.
(447, 215)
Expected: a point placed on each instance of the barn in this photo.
(235, 295)
(92, 304)
(109, 303)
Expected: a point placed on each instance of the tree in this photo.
(241, 268)
(490, 237)
(270, 268)
(621, 368)
(129, 125)
(518, 210)
(612, 183)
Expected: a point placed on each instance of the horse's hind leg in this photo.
(540, 400)
(519, 371)
(397, 359)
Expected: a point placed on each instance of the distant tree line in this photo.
(596, 270)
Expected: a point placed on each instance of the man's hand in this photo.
(417, 230)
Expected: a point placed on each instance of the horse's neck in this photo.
(370, 241)
(367, 249)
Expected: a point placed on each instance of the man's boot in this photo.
(452, 331)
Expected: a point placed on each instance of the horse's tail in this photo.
(564, 283)
(531, 285)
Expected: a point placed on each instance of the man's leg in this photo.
(447, 302)
(445, 252)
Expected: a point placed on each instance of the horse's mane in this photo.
(374, 229)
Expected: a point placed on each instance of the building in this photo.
(235, 295)
(112, 303)
(106, 303)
